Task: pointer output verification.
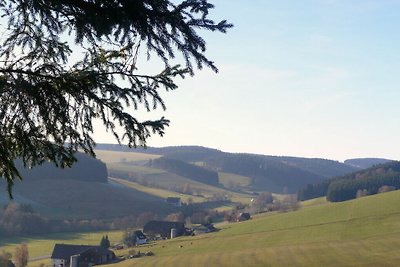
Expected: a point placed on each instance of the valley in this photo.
(309, 233)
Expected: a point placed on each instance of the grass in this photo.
(162, 193)
(80, 200)
(362, 232)
(43, 245)
(314, 202)
(132, 163)
(134, 168)
(229, 180)
(170, 181)
(108, 156)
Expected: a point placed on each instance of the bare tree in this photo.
(21, 255)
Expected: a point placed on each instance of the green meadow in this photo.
(108, 156)
(362, 232)
(168, 181)
(159, 192)
(43, 245)
(230, 179)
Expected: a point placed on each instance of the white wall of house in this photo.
(140, 241)
(58, 263)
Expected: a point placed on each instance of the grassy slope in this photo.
(75, 199)
(108, 156)
(44, 244)
(157, 191)
(168, 180)
(131, 162)
(228, 179)
(363, 232)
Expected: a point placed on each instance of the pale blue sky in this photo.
(308, 78)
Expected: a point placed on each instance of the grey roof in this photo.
(139, 234)
(65, 251)
(163, 228)
(174, 200)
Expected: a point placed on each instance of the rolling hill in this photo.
(266, 173)
(364, 163)
(81, 192)
(362, 232)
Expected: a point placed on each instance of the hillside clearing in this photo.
(162, 193)
(108, 156)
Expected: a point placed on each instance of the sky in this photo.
(310, 78)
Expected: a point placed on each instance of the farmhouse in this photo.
(174, 201)
(140, 238)
(80, 255)
(163, 228)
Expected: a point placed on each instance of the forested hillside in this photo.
(85, 169)
(364, 163)
(184, 169)
(81, 192)
(364, 182)
(267, 173)
(184, 153)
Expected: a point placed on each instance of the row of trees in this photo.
(342, 190)
(346, 187)
(16, 220)
(21, 257)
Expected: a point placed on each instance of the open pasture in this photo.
(43, 245)
(162, 193)
(172, 182)
(233, 180)
(108, 156)
(362, 232)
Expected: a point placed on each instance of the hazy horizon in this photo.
(308, 79)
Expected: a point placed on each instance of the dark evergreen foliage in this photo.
(85, 169)
(314, 190)
(271, 173)
(50, 98)
(186, 170)
(345, 187)
(104, 242)
(268, 173)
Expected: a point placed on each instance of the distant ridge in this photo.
(269, 173)
(364, 163)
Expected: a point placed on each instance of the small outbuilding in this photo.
(174, 201)
(204, 229)
(244, 216)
